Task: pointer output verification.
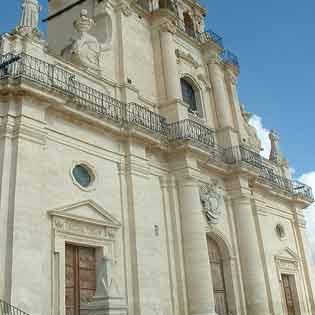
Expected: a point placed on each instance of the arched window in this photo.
(189, 95)
(217, 271)
(189, 25)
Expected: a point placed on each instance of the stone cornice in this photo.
(181, 55)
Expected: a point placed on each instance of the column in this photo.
(250, 257)
(171, 79)
(220, 94)
(196, 258)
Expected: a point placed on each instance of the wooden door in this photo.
(80, 277)
(288, 294)
(216, 264)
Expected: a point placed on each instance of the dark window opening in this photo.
(189, 96)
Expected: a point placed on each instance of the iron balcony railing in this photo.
(228, 57)
(7, 309)
(242, 154)
(54, 77)
(211, 35)
(133, 114)
(191, 130)
(150, 6)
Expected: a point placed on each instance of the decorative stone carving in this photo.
(253, 139)
(187, 57)
(211, 202)
(28, 25)
(168, 27)
(81, 228)
(85, 50)
(126, 10)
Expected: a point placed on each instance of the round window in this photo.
(82, 175)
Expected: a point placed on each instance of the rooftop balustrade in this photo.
(211, 35)
(135, 115)
(242, 154)
(228, 57)
(191, 130)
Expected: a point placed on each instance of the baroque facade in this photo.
(131, 179)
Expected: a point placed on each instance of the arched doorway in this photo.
(218, 278)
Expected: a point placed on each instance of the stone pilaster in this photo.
(197, 268)
(302, 238)
(251, 263)
(166, 62)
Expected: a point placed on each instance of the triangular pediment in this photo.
(287, 254)
(86, 211)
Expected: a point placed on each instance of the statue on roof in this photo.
(29, 19)
(84, 50)
(253, 139)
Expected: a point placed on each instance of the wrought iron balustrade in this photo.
(241, 153)
(7, 309)
(190, 130)
(143, 117)
(89, 98)
(210, 35)
(150, 5)
(303, 191)
(228, 57)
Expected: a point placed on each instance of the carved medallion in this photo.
(211, 202)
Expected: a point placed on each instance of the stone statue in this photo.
(276, 155)
(210, 200)
(253, 139)
(29, 18)
(85, 50)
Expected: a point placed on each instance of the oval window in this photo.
(82, 175)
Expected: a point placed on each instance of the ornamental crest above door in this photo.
(211, 202)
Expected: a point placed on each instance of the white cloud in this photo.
(309, 179)
(262, 133)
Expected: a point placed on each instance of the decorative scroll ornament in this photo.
(211, 202)
(28, 25)
(84, 50)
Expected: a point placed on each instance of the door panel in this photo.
(288, 294)
(80, 277)
(215, 258)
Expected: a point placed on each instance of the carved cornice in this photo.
(187, 57)
(168, 26)
(66, 225)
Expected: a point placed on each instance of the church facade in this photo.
(131, 179)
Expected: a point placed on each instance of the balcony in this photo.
(266, 174)
(191, 130)
(230, 58)
(211, 36)
(136, 116)
(149, 5)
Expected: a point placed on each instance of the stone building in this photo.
(131, 180)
